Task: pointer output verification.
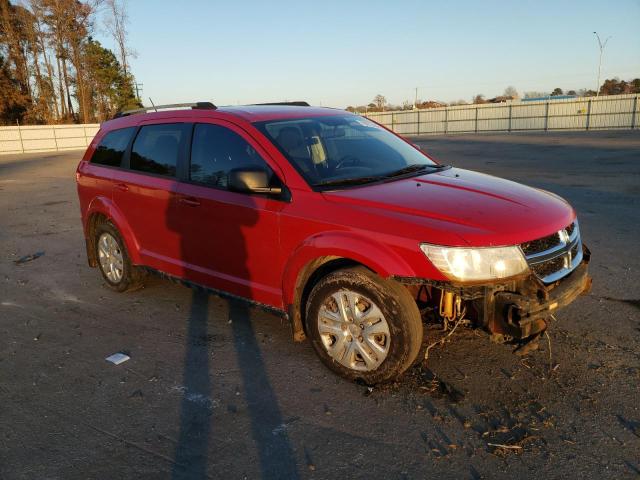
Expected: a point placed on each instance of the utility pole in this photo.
(601, 44)
(415, 102)
(138, 87)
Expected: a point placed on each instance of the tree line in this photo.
(52, 70)
(613, 86)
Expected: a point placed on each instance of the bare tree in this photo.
(57, 18)
(37, 11)
(511, 92)
(81, 25)
(380, 101)
(116, 23)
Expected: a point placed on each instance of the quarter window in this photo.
(157, 147)
(112, 147)
(216, 151)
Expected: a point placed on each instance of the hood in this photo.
(479, 209)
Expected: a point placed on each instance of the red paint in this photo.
(256, 247)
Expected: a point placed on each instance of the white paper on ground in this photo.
(117, 358)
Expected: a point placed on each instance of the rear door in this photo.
(144, 192)
(95, 177)
(230, 240)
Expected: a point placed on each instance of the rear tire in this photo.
(113, 260)
(362, 326)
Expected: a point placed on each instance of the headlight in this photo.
(475, 264)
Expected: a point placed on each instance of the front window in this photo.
(344, 150)
(216, 151)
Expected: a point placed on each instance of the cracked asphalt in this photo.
(215, 389)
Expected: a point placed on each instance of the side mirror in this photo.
(252, 180)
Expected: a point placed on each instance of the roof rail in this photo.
(193, 106)
(295, 104)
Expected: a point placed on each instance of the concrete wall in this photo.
(46, 138)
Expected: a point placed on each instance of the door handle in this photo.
(122, 187)
(190, 201)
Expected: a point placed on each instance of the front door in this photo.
(229, 240)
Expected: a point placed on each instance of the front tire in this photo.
(362, 326)
(113, 260)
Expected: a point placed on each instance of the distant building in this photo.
(548, 97)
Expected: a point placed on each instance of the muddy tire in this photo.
(362, 326)
(113, 260)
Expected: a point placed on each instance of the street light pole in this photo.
(601, 44)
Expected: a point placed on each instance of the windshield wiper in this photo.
(362, 180)
(415, 168)
(347, 181)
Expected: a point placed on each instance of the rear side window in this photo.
(216, 150)
(157, 147)
(112, 147)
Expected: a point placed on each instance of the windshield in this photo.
(343, 149)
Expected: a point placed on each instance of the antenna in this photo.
(154, 107)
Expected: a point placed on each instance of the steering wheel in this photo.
(347, 160)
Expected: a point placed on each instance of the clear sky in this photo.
(339, 53)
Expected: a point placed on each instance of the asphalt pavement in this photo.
(214, 389)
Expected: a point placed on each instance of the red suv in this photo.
(341, 226)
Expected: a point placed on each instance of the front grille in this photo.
(545, 269)
(540, 245)
(554, 256)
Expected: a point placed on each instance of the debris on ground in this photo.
(443, 340)
(28, 258)
(528, 346)
(117, 358)
(506, 447)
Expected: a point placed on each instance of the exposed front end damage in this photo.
(513, 310)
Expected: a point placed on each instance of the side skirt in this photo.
(220, 293)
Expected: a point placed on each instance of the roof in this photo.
(249, 113)
(259, 113)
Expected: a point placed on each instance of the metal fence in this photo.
(593, 113)
(46, 138)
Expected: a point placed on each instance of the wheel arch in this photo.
(326, 253)
(102, 209)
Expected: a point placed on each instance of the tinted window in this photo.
(157, 147)
(216, 151)
(112, 146)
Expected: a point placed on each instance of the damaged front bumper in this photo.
(523, 312)
(519, 308)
